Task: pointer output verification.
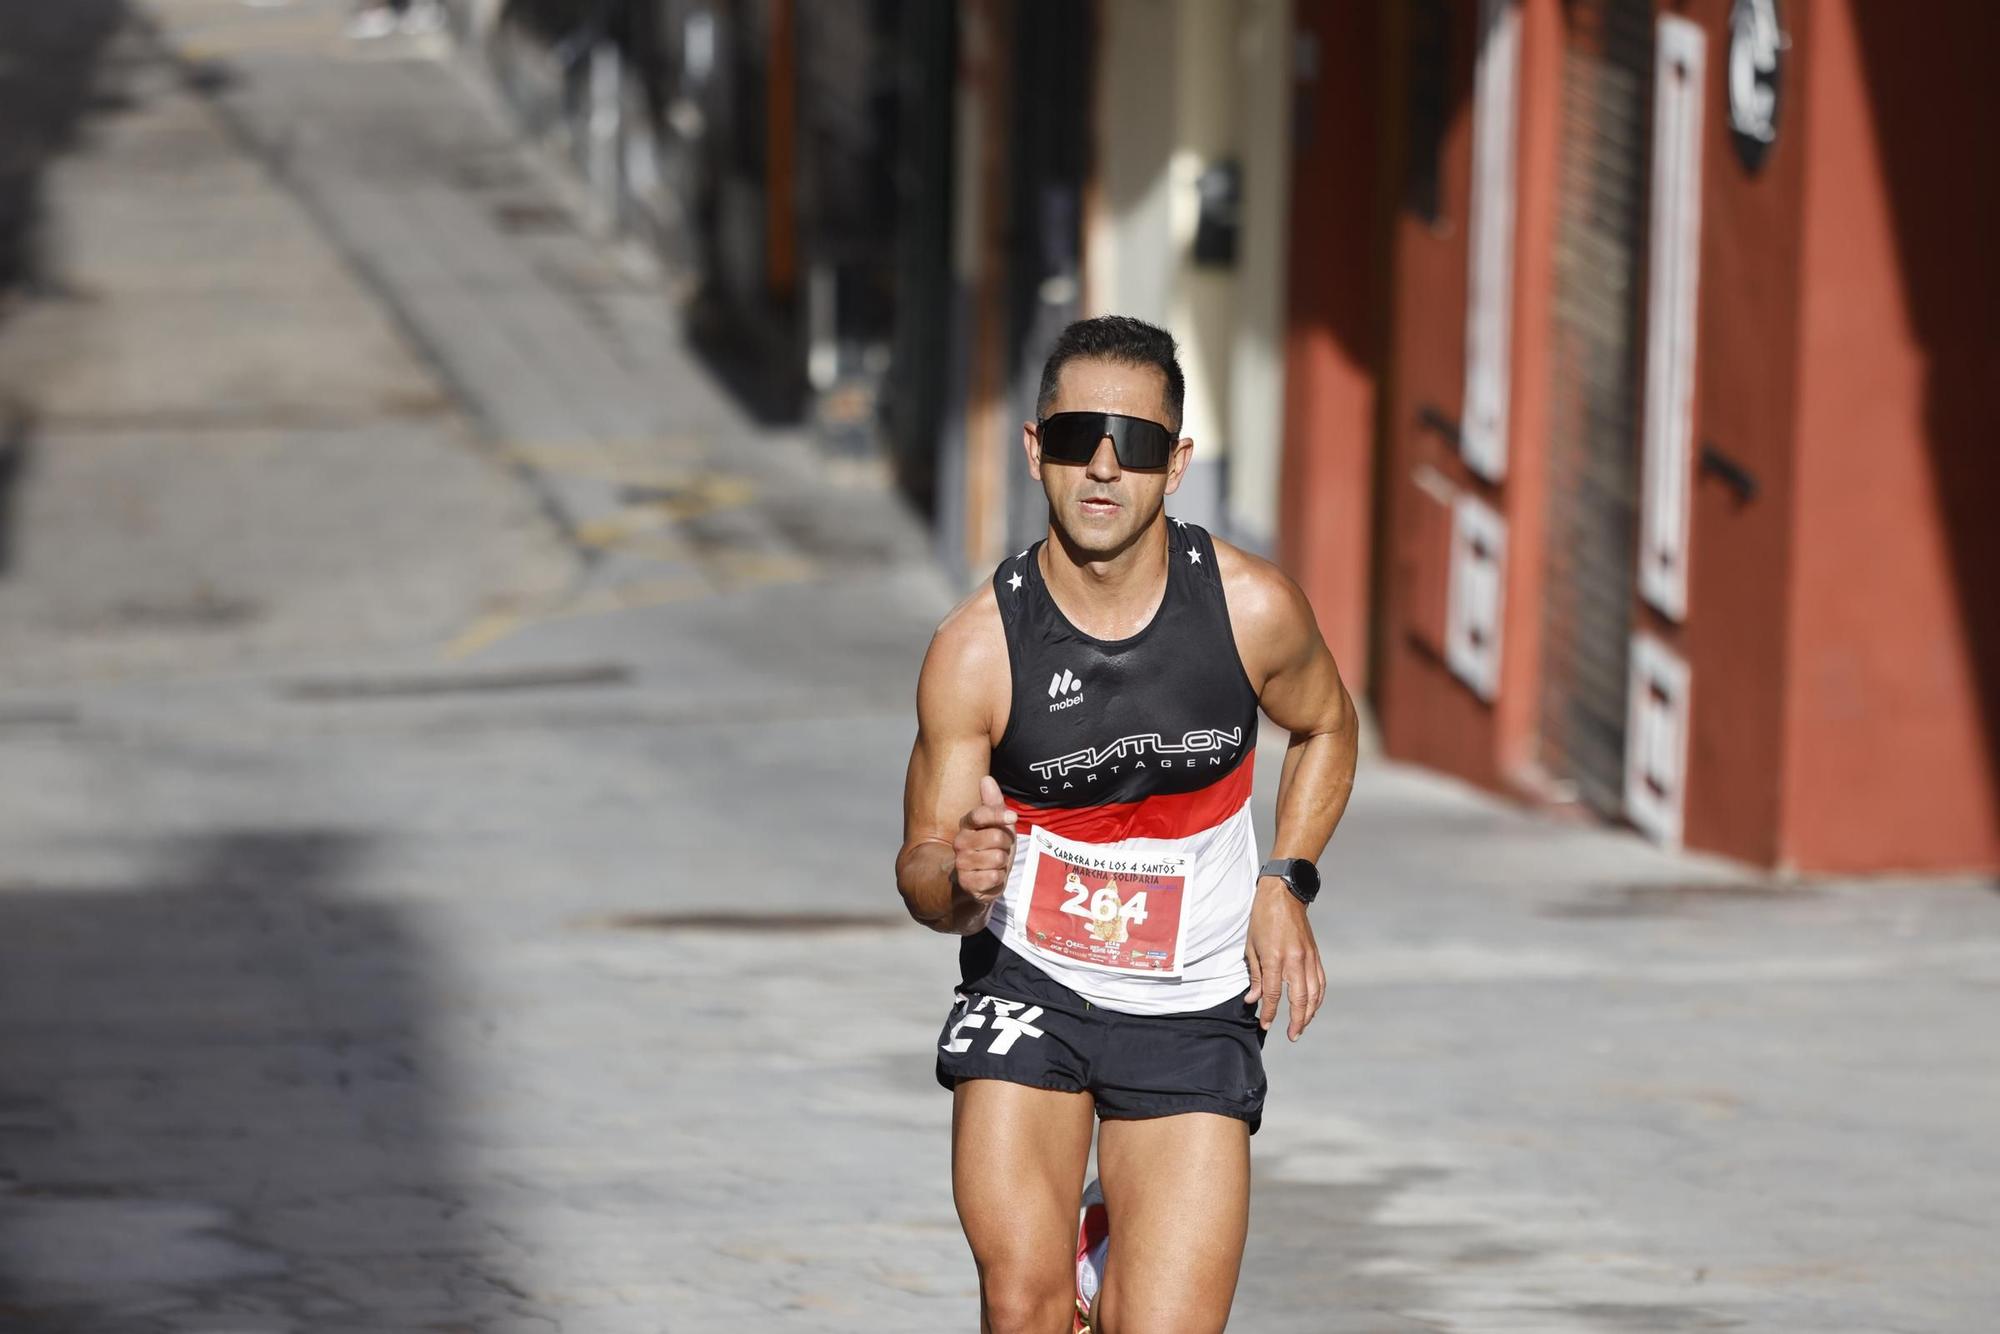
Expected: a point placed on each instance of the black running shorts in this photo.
(1012, 1021)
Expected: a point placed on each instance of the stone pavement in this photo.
(191, 367)
(489, 927)
(567, 352)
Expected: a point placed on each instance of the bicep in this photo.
(953, 750)
(1302, 689)
(942, 783)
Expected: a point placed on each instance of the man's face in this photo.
(1101, 506)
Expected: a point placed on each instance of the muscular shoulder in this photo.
(969, 638)
(965, 682)
(1262, 597)
(1268, 612)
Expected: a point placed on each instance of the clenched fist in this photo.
(984, 846)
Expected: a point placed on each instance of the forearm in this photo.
(924, 876)
(1314, 786)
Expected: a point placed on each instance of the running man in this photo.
(1077, 809)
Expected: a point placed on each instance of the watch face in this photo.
(1301, 875)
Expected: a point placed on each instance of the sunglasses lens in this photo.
(1072, 437)
(1142, 444)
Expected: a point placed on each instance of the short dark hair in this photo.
(1118, 338)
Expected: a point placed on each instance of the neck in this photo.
(1118, 591)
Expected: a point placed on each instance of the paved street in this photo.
(449, 762)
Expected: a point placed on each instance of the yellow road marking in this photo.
(632, 462)
(645, 528)
(661, 547)
(484, 632)
(696, 496)
(748, 568)
(620, 526)
(730, 573)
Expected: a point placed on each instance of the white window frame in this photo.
(1489, 305)
(1476, 595)
(1656, 739)
(1679, 76)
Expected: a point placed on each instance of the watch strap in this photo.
(1301, 877)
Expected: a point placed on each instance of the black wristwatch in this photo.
(1300, 876)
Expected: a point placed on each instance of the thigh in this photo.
(1177, 1190)
(1017, 1160)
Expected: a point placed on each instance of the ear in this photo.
(1177, 463)
(1031, 444)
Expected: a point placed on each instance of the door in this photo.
(1594, 441)
(1445, 490)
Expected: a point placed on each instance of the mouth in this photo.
(1098, 505)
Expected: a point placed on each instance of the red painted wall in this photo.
(1537, 172)
(1332, 341)
(1426, 714)
(1892, 716)
(1842, 628)
(1746, 361)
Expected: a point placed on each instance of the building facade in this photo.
(1670, 414)
(1610, 372)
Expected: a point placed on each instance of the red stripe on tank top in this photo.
(1167, 815)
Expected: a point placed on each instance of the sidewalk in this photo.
(567, 351)
(207, 417)
(504, 939)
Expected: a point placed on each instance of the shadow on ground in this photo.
(16, 430)
(47, 86)
(223, 1100)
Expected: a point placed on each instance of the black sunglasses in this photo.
(1072, 437)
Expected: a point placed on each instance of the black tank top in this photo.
(1168, 711)
(1128, 765)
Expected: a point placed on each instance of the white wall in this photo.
(1183, 84)
(1202, 304)
(1128, 245)
(1257, 365)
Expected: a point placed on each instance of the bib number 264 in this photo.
(1106, 905)
(1105, 908)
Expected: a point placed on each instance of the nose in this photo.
(1104, 463)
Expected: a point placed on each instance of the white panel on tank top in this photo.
(1223, 882)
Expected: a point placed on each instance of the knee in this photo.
(1020, 1300)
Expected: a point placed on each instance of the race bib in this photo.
(1122, 911)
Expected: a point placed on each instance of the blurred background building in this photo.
(1612, 373)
